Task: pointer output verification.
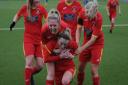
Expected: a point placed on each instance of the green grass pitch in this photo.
(113, 69)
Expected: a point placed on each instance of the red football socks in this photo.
(49, 82)
(96, 80)
(80, 78)
(28, 73)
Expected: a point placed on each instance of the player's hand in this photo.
(65, 54)
(12, 25)
(79, 50)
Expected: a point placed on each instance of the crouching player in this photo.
(61, 53)
(33, 13)
(111, 9)
(50, 32)
(91, 50)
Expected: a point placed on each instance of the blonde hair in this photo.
(54, 14)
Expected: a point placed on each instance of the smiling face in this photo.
(53, 21)
(53, 25)
(62, 42)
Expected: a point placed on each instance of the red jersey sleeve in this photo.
(43, 33)
(47, 51)
(97, 29)
(82, 13)
(73, 46)
(43, 11)
(59, 6)
(21, 10)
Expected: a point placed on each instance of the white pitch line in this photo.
(13, 29)
(118, 25)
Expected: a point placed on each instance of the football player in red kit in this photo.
(50, 31)
(91, 50)
(69, 11)
(60, 52)
(33, 13)
(112, 7)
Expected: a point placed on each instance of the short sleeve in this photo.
(43, 11)
(97, 29)
(21, 10)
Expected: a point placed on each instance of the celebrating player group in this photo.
(56, 42)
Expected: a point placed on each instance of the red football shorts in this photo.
(59, 74)
(112, 15)
(32, 49)
(93, 54)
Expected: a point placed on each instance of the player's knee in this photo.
(40, 63)
(113, 20)
(28, 64)
(65, 81)
(50, 75)
(94, 71)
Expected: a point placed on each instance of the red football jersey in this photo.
(112, 4)
(69, 14)
(92, 27)
(33, 27)
(48, 57)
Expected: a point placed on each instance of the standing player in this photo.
(91, 50)
(50, 31)
(69, 10)
(33, 13)
(111, 9)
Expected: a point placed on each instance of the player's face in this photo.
(53, 26)
(62, 43)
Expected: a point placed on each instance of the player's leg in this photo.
(50, 74)
(81, 73)
(58, 76)
(39, 59)
(112, 24)
(83, 59)
(95, 62)
(112, 19)
(68, 76)
(95, 74)
(28, 69)
(29, 53)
